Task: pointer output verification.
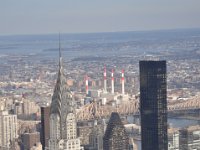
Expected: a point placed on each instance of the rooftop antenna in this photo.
(59, 47)
(60, 56)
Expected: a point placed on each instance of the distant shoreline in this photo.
(105, 32)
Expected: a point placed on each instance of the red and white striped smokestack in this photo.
(123, 82)
(112, 81)
(105, 81)
(86, 84)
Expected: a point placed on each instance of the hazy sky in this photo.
(74, 16)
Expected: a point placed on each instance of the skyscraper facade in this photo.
(115, 137)
(44, 136)
(153, 105)
(8, 129)
(63, 126)
(96, 136)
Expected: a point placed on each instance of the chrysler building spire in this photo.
(62, 115)
(60, 55)
(57, 96)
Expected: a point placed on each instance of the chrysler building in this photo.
(63, 130)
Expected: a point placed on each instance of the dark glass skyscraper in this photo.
(115, 137)
(153, 105)
(44, 135)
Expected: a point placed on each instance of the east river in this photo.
(173, 122)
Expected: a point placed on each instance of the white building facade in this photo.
(8, 129)
(173, 141)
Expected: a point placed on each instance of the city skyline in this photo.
(109, 90)
(43, 17)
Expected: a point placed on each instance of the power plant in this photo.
(107, 94)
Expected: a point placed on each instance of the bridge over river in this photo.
(93, 110)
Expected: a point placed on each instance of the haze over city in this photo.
(76, 16)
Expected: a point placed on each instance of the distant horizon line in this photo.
(77, 33)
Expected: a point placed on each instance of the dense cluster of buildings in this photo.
(34, 116)
(60, 129)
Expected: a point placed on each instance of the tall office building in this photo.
(44, 135)
(8, 129)
(29, 140)
(63, 126)
(96, 137)
(115, 137)
(153, 105)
